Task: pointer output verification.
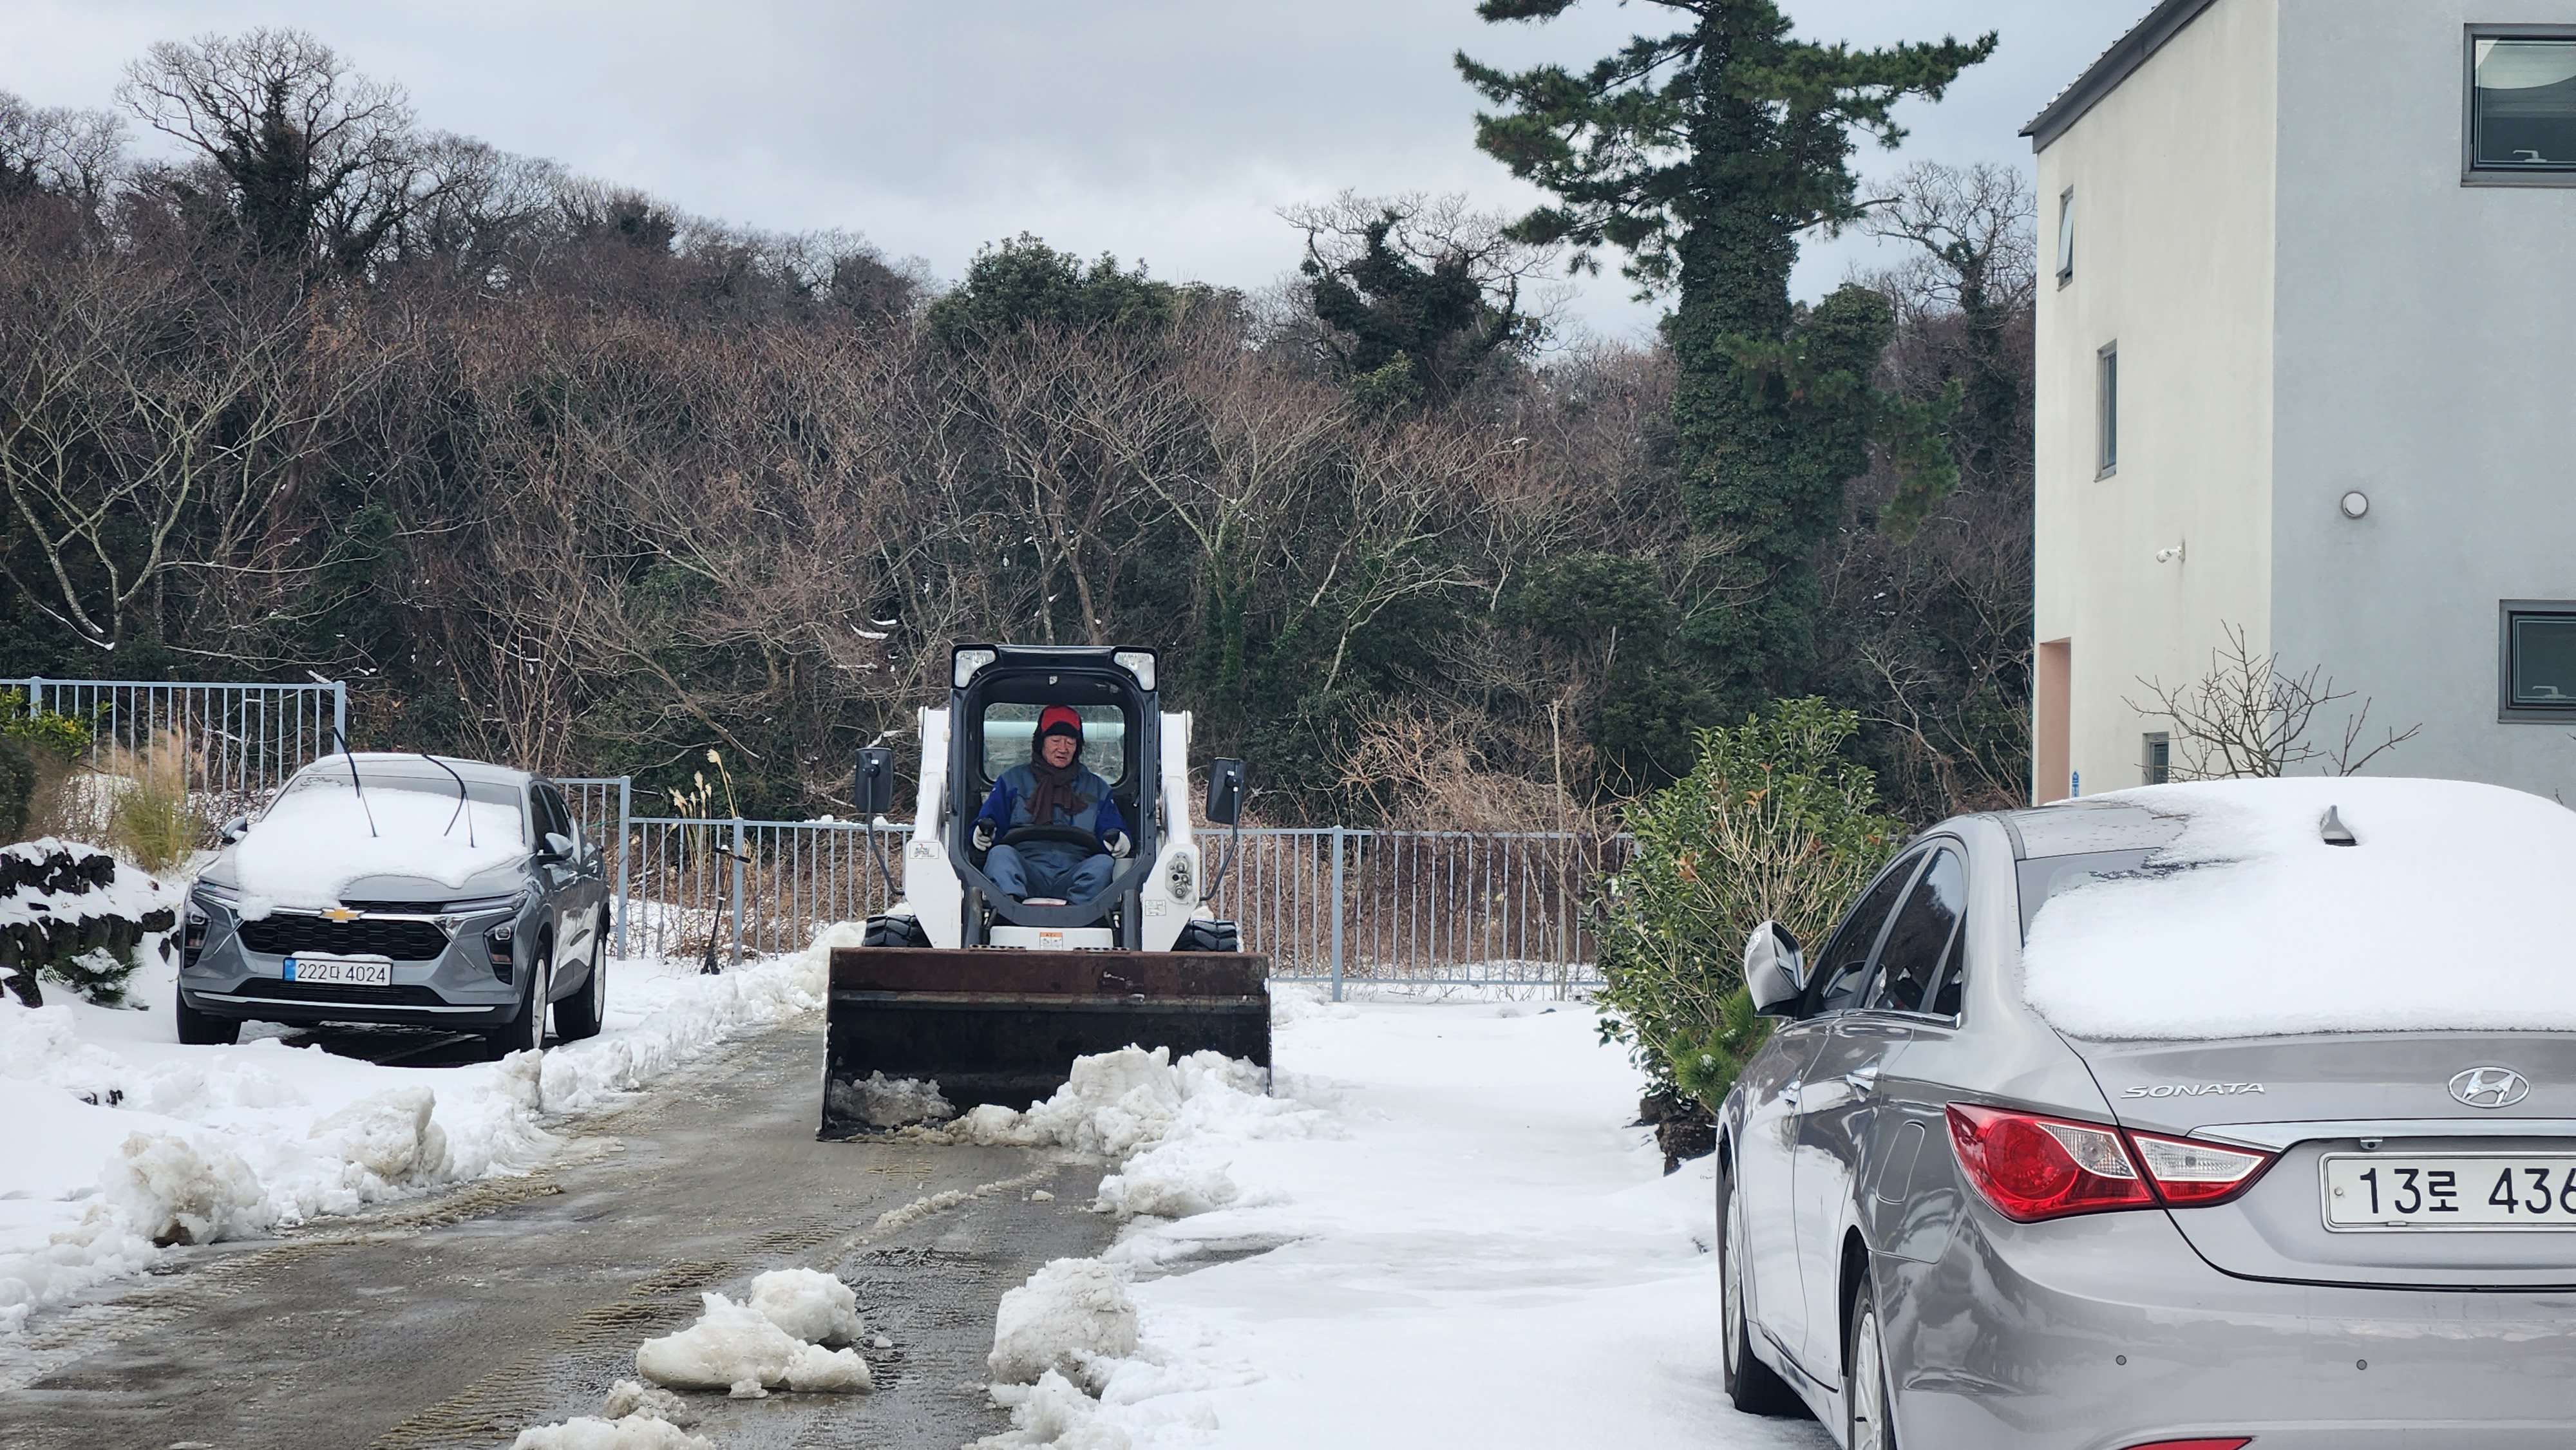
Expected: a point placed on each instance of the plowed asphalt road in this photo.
(457, 1320)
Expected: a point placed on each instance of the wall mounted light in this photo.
(2172, 555)
(2354, 504)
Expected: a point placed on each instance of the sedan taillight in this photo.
(2032, 1167)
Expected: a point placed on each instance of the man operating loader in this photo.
(1051, 790)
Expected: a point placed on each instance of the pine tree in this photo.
(1703, 155)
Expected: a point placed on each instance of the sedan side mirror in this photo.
(1225, 792)
(558, 846)
(1775, 970)
(234, 829)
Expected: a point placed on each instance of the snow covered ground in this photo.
(1464, 1246)
(112, 1135)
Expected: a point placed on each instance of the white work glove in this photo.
(983, 835)
(1118, 843)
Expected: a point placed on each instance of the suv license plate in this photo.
(339, 971)
(2379, 1192)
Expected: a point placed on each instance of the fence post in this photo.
(738, 845)
(340, 709)
(1337, 913)
(625, 814)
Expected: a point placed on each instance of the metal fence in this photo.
(242, 740)
(1420, 908)
(1330, 904)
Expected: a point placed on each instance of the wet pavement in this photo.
(456, 1320)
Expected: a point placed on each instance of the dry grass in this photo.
(150, 820)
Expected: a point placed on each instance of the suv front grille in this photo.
(404, 941)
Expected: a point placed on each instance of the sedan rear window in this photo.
(2056, 875)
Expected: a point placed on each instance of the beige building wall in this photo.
(2173, 181)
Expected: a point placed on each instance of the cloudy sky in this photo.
(1168, 130)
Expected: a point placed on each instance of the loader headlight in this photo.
(1176, 878)
(1137, 662)
(965, 662)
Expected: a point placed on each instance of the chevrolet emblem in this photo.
(339, 913)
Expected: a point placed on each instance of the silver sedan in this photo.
(1985, 1187)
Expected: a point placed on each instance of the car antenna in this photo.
(353, 780)
(460, 799)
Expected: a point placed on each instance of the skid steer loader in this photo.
(992, 998)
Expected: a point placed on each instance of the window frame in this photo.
(2106, 410)
(2149, 771)
(2066, 237)
(2472, 174)
(2507, 611)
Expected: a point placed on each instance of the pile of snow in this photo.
(1433, 1190)
(636, 1417)
(773, 1339)
(881, 1102)
(809, 1304)
(2250, 925)
(318, 839)
(1118, 1103)
(122, 1141)
(1072, 1318)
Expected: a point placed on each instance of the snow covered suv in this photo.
(400, 888)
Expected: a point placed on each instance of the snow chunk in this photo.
(883, 1103)
(1056, 1415)
(389, 1134)
(317, 840)
(171, 1193)
(631, 1397)
(1118, 1103)
(589, 1432)
(736, 1348)
(808, 1303)
(2249, 925)
(1177, 1193)
(1072, 1317)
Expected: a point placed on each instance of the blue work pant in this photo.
(1022, 877)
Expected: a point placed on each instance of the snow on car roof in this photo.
(409, 763)
(313, 843)
(2452, 913)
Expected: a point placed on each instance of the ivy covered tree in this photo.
(1704, 155)
(1420, 299)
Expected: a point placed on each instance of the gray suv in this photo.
(401, 888)
(1949, 1220)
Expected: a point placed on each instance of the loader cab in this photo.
(996, 694)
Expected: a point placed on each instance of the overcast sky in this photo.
(1167, 130)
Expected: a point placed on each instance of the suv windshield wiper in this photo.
(460, 799)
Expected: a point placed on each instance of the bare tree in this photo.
(2247, 718)
(324, 162)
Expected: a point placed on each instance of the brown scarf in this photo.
(1056, 792)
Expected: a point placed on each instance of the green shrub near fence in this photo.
(1772, 824)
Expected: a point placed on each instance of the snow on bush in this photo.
(1072, 1318)
(2250, 925)
(810, 1304)
(738, 1348)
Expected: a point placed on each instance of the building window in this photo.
(2522, 104)
(2066, 237)
(2539, 660)
(2155, 759)
(2107, 410)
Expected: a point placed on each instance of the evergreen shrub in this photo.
(1772, 824)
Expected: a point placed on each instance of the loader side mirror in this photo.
(875, 793)
(1774, 969)
(1225, 792)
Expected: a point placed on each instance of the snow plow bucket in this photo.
(1004, 1026)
